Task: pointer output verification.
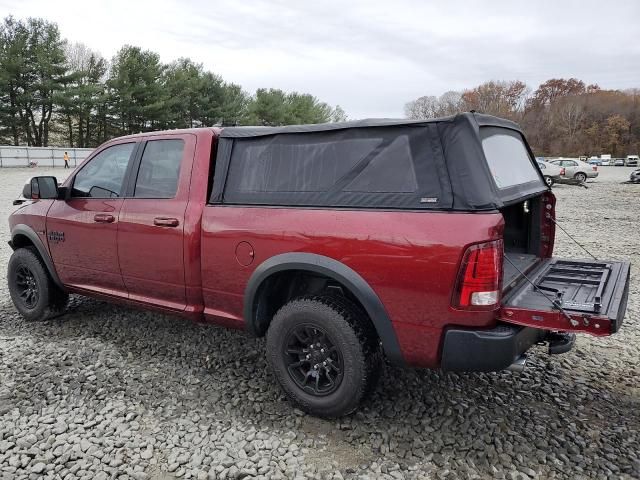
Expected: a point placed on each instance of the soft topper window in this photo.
(391, 171)
(372, 168)
(284, 166)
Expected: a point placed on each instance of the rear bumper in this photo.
(488, 350)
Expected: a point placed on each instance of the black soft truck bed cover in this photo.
(446, 154)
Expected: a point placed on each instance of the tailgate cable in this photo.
(554, 302)
(549, 217)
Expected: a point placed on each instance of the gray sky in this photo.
(370, 57)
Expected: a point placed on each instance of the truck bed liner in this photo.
(514, 262)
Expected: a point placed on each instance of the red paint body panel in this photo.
(597, 325)
(88, 257)
(152, 256)
(33, 215)
(410, 259)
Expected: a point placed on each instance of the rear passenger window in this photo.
(159, 169)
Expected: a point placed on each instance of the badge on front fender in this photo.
(56, 237)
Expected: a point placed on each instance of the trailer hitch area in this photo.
(560, 342)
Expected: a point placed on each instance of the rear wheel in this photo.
(548, 180)
(580, 177)
(324, 354)
(32, 291)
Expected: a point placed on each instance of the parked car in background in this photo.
(632, 160)
(618, 162)
(605, 162)
(551, 173)
(594, 161)
(576, 169)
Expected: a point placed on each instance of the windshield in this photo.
(508, 157)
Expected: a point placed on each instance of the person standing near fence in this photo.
(66, 160)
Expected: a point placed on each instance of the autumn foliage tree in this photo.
(560, 117)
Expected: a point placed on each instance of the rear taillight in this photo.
(562, 172)
(478, 285)
(595, 168)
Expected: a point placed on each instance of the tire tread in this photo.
(56, 298)
(367, 343)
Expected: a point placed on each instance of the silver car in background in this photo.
(576, 169)
(551, 173)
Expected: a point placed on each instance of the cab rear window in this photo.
(508, 158)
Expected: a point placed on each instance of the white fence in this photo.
(42, 156)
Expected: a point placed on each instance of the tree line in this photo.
(53, 92)
(561, 117)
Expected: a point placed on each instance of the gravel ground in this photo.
(110, 392)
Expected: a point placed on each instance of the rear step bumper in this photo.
(489, 350)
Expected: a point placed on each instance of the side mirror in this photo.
(41, 188)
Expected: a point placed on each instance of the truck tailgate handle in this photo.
(104, 218)
(166, 222)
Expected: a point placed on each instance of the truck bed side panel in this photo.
(410, 259)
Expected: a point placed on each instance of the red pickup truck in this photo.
(426, 242)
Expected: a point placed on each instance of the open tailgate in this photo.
(570, 295)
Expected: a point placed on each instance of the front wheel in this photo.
(324, 353)
(580, 177)
(32, 291)
(548, 180)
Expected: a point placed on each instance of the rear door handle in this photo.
(104, 218)
(166, 222)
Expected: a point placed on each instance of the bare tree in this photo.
(423, 107)
(450, 103)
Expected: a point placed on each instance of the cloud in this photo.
(369, 57)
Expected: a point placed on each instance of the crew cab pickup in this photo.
(429, 243)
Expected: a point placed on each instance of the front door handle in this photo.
(166, 222)
(104, 218)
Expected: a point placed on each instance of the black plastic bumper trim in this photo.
(487, 350)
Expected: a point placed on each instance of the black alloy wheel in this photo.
(27, 287)
(313, 361)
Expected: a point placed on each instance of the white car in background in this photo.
(551, 173)
(576, 169)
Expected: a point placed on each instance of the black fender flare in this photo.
(28, 232)
(333, 269)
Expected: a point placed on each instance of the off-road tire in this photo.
(51, 301)
(353, 336)
(580, 177)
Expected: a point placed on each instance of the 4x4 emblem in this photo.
(56, 237)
